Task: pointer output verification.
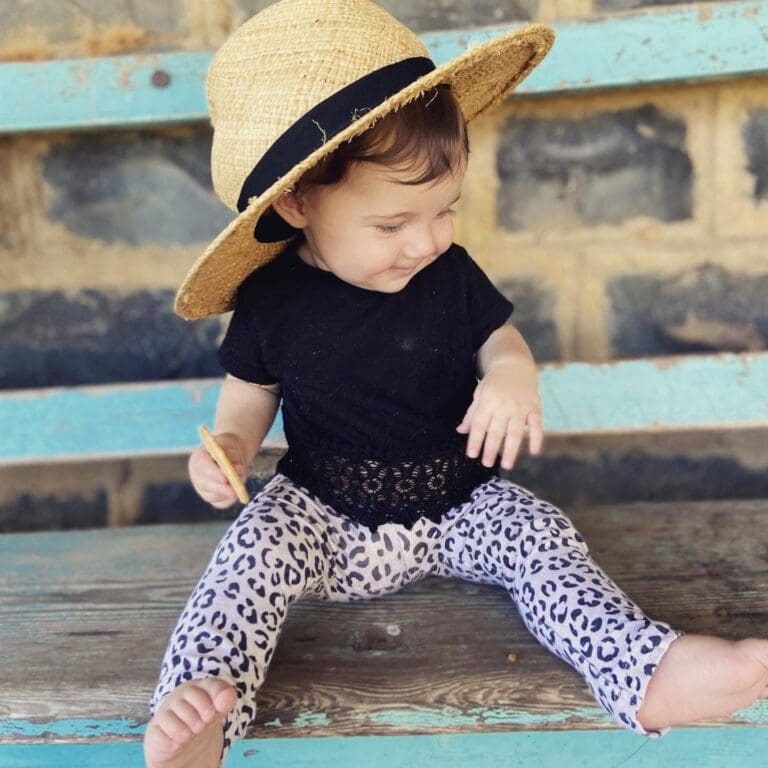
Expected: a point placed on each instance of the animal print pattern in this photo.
(287, 545)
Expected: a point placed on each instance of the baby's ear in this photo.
(290, 207)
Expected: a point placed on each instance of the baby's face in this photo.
(376, 232)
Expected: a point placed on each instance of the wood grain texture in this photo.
(85, 615)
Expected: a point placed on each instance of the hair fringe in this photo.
(427, 135)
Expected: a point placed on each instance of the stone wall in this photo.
(622, 223)
(635, 222)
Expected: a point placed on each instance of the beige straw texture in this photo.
(283, 62)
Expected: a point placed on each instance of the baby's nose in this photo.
(421, 247)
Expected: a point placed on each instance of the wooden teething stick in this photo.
(225, 465)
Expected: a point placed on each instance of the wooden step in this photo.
(85, 616)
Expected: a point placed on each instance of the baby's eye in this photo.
(388, 229)
(447, 212)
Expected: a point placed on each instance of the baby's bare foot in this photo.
(701, 677)
(186, 731)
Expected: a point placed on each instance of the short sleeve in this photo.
(488, 308)
(242, 351)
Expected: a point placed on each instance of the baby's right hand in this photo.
(208, 480)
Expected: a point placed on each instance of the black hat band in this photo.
(318, 126)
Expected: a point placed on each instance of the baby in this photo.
(404, 388)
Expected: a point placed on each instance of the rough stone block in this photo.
(31, 511)
(142, 188)
(93, 337)
(635, 476)
(164, 16)
(534, 316)
(179, 503)
(428, 15)
(603, 169)
(41, 29)
(700, 310)
(755, 134)
(740, 183)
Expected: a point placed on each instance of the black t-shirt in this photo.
(373, 384)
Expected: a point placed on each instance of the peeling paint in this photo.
(311, 720)
(71, 728)
(451, 717)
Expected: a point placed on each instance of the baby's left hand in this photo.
(506, 402)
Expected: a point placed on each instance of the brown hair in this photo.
(427, 135)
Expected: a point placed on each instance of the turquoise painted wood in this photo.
(116, 420)
(650, 47)
(102, 92)
(657, 394)
(703, 748)
(632, 395)
(715, 40)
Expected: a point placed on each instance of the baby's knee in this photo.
(548, 535)
(513, 510)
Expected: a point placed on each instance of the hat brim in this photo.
(479, 78)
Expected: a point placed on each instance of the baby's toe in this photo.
(159, 741)
(221, 694)
(174, 727)
(189, 715)
(202, 701)
(225, 700)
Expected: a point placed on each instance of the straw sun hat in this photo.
(293, 83)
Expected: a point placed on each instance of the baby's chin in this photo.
(395, 283)
(384, 282)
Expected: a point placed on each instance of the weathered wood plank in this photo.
(725, 39)
(114, 420)
(657, 394)
(81, 638)
(647, 47)
(678, 393)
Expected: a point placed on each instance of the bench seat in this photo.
(85, 615)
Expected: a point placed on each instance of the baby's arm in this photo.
(244, 414)
(506, 401)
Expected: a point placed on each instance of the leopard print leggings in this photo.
(286, 545)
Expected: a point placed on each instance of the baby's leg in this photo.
(508, 537)
(274, 553)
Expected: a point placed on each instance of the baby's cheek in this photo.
(445, 237)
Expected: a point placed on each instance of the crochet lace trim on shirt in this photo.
(374, 492)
